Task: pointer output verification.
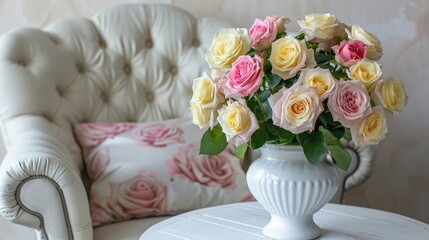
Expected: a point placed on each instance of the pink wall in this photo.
(399, 182)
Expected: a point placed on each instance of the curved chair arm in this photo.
(41, 188)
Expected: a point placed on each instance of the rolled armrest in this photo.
(41, 187)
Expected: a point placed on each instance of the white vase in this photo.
(291, 190)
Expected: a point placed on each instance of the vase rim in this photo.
(284, 147)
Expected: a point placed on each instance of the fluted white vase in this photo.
(291, 190)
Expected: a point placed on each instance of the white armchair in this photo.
(130, 63)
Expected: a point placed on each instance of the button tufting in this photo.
(104, 97)
(174, 70)
(149, 43)
(102, 44)
(196, 43)
(21, 63)
(127, 68)
(80, 68)
(150, 96)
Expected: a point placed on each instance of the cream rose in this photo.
(237, 121)
(319, 78)
(374, 50)
(371, 130)
(288, 56)
(318, 26)
(296, 109)
(391, 94)
(366, 71)
(205, 101)
(227, 46)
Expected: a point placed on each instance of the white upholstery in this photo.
(130, 63)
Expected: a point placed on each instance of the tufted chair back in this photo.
(130, 63)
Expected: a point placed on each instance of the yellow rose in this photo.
(320, 26)
(391, 94)
(288, 56)
(200, 116)
(227, 46)
(238, 122)
(205, 101)
(371, 130)
(319, 78)
(374, 50)
(366, 71)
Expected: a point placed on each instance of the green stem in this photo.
(260, 105)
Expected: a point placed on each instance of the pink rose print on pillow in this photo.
(99, 216)
(159, 135)
(212, 171)
(98, 163)
(91, 135)
(248, 198)
(142, 195)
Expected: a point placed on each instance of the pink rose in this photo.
(159, 135)
(248, 198)
(349, 52)
(349, 102)
(98, 163)
(238, 122)
(296, 109)
(208, 170)
(93, 134)
(245, 77)
(99, 215)
(263, 33)
(139, 196)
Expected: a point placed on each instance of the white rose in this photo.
(205, 101)
(227, 46)
(319, 26)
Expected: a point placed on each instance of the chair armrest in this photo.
(41, 188)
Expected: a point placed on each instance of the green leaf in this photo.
(323, 119)
(274, 80)
(340, 156)
(338, 132)
(322, 58)
(340, 74)
(251, 52)
(283, 134)
(313, 145)
(259, 137)
(300, 36)
(264, 95)
(329, 138)
(213, 141)
(347, 134)
(267, 108)
(240, 151)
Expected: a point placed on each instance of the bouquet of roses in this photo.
(313, 89)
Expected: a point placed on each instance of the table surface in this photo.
(246, 220)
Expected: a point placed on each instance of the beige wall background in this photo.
(400, 182)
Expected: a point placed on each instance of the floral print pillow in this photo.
(146, 169)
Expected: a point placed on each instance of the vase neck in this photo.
(283, 152)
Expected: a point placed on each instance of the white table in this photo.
(244, 221)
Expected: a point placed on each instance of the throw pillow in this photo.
(144, 169)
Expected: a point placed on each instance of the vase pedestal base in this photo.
(300, 228)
